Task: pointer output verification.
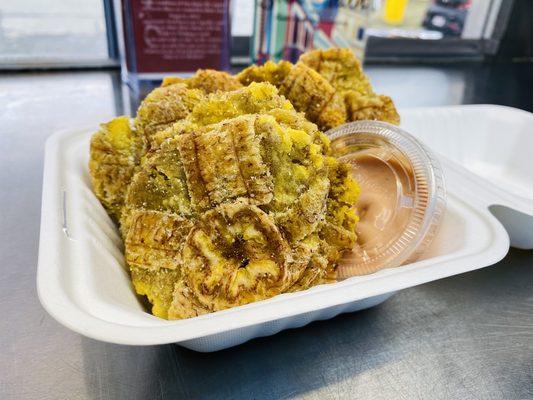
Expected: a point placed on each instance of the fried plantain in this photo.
(155, 239)
(160, 183)
(274, 73)
(373, 107)
(299, 175)
(257, 98)
(229, 158)
(339, 67)
(234, 255)
(164, 106)
(207, 80)
(158, 286)
(310, 93)
(343, 71)
(114, 154)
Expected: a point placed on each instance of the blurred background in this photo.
(449, 49)
(89, 33)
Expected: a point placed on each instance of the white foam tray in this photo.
(82, 281)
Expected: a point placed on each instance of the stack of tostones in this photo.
(226, 194)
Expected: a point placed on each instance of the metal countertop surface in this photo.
(465, 337)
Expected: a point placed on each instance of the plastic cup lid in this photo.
(402, 196)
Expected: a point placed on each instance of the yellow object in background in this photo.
(394, 11)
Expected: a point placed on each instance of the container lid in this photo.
(402, 196)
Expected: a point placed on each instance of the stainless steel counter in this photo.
(466, 337)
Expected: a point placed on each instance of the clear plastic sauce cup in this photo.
(402, 199)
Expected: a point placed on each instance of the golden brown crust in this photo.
(333, 114)
(254, 173)
(184, 304)
(219, 162)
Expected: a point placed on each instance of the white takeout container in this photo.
(82, 281)
(495, 146)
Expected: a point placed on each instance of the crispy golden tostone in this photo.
(116, 150)
(158, 287)
(176, 98)
(309, 92)
(339, 67)
(235, 203)
(375, 107)
(207, 80)
(253, 99)
(329, 86)
(234, 255)
(164, 106)
(114, 154)
(155, 239)
(343, 71)
(274, 73)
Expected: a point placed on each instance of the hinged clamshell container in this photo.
(82, 281)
